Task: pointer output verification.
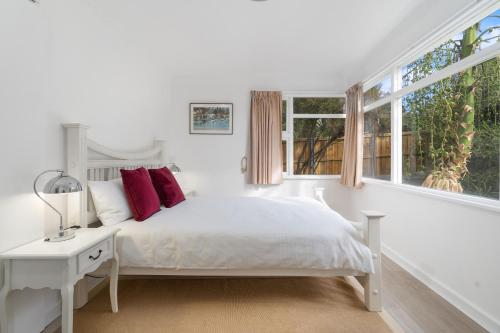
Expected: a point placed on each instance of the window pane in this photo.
(451, 133)
(377, 143)
(318, 146)
(380, 90)
(477, 37)
(283, 154)
(321, 105)
(283, 116)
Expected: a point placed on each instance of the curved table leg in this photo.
(67, 307)
(113, 284)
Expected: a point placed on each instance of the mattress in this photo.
(243, 233)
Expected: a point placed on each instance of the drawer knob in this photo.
(97, 257)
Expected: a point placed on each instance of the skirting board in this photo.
(451, 296)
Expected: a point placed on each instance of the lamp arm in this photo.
(61, 228)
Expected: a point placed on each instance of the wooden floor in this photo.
(416, 308)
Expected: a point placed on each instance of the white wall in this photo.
(57, 64)
(213, 161)
(24, 138)
(451, 247)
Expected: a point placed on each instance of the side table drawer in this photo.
(95, 255)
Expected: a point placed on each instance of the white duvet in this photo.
(243, 233)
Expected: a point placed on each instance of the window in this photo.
(283, 116)
(380, 90)
(445, 134)
(477, 37)
(451, 132)
(283, 154)
(317, 105)
(315, 133)
(377, 143)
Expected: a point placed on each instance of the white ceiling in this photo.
(341, 40)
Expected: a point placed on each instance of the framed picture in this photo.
(211, 118)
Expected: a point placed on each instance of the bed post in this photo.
(318, 195)
(76, 166)
(373, 281)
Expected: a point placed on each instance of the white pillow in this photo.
(110, 201)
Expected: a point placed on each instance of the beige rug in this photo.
(230, 305)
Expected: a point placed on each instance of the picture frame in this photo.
(211, 118)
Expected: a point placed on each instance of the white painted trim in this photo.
(230, 272)
(311, 177)
(373, 281)
(101, 164)
(319, 116)
(451, 296)
(123, 155)
(375, 80)
(287, 135)
(312, 93)
(378, 103)
(76, 166)
(396, 131)
(472, 60)
(457, 198)
(289, 128)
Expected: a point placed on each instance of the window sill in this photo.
(310, 177)
(462, 199)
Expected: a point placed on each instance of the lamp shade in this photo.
(62, 184)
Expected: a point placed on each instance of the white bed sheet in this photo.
(243, 233)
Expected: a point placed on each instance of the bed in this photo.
(228, 236)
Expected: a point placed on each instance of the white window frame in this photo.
(287, 135)
(451, 28)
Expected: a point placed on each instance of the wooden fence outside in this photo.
(376, 163)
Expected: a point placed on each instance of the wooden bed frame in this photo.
(88, 160)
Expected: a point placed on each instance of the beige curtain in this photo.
(352, 162)
(266, 156)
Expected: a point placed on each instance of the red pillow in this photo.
(141, 194)
(166, 186)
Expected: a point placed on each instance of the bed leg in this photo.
(373, 282)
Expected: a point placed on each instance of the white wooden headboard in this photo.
(87, 160)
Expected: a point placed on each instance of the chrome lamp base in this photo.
(66, 235)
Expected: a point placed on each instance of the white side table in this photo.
(41, 264)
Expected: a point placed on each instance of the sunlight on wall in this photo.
(21, 210)
(25, 208)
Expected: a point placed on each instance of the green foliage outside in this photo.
(455, 122)
(316, 134)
